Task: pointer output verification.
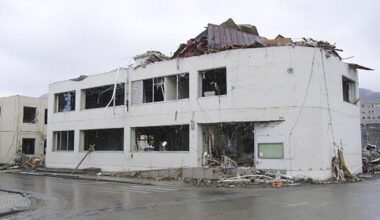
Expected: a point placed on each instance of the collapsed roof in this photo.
(230, 35)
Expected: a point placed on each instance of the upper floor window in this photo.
(349, 90)
(29, 115)
(102, 96)
(158, 89)
(65, 101)
(46, 116)
(213, 82)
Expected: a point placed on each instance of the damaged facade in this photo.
(226, 96)
(23, 122)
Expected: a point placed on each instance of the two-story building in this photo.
(286, 107)
(23, 123)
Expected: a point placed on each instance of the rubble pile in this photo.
(228, 36)
(371, 159)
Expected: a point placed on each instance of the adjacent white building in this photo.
(22, 127)
(285, 108)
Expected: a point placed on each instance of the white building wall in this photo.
(281, 84)
(13, 130)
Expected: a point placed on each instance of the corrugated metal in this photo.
(219, 37)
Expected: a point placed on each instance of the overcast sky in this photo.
(46, 41)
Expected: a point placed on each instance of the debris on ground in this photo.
(371, 159)
(340, 170)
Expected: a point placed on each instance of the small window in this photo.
(29, 115)
(28, 145)
(378, 117)
(65, 101)
(0, 112)
(368, 117)
(104, 139)
(63, 140)
(213, 82)
(349, 90)
(271, 151)
(46, 116)
(363, 117)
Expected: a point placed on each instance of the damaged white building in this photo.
(23, 123)
(228, 93)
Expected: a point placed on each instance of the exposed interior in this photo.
(103, 139)
(213, 82)
(29, 115)
(28, 145)
(65, 101)
(234, 140)
(162, 138)
(101, 96)
(63, 140)
(159, 89)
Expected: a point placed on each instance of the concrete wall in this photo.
(279, 84)
(13, 130)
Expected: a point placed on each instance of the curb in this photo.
(84, 177)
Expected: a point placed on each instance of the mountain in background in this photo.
(366, 94)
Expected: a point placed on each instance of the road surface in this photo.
(57, 198)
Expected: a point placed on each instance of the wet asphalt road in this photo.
(56, 198)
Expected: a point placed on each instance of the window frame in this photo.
(264, 157)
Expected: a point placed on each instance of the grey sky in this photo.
(46, 41)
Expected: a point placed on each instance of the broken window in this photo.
(148, 90)
(162, 138)
(104, 139)
(183, 86)
(28, 145)
(65, 101)
(63, 140)
(171, 87)
(29, 115)
(159, 89)
(46, 116)
(213, 82)
(271, 150)
(99, 97)
(234, 140)
(349, 90)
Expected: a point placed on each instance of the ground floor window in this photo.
(103, 139)
(28, 145)
(271, 150)
(63, 140)
(162, 138)
(234, 140)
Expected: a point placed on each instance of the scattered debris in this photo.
(91, 148)
(371, 159)
(79, 78)
(32, 162)
(340, 170)
(149, 57)
(230, 35)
